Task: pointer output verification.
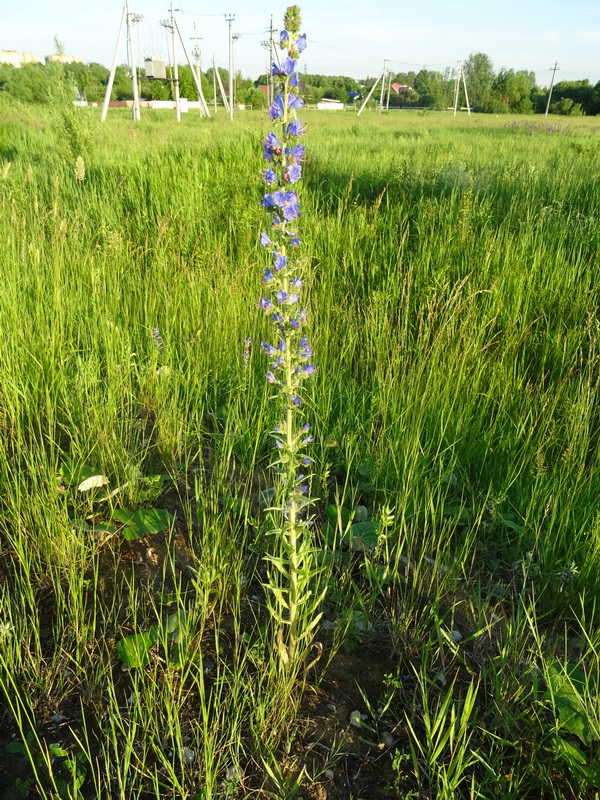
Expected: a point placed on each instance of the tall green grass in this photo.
(454, 304)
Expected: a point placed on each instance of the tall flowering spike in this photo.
(284, 305)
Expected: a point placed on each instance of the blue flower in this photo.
(295, 153)
(297, 283)
(281, 296)
(269, 349)
(306, 426)
(288, 67)
(280, 262)
(268, 276)
(271, 378)
(265, 240)
(294, 102)
(294, 128)
(301, 43)
(293, 173)
(277, 107)
(266, 304)
(271, 177)
(284, 38)
(296, 400)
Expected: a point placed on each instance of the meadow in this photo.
(453, 305)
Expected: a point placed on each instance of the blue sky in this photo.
(349, 38)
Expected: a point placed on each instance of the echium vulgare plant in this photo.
(293, 578)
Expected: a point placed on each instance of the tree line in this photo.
(490, 91)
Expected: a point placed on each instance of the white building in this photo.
(17, 58)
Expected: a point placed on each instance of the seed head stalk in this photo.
(293, 602)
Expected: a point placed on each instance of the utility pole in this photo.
(384, 76)
(221, 88)
(229, 19)
(214, 84)
(461, 75)
(170, 24)
(202, 108)
(381, 74)
(551, 87)
(271, 60)
(131, 20)
(234, 38)
(113, 68)
(389, 89)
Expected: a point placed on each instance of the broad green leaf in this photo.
(177, 626)
(146, 520)
(363, 536)
(567, 686)
(103, 527)
(134, 650)
(361, 514)
(15, 747)
(367, 468)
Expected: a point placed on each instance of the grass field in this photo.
(453, 307)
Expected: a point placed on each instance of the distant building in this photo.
(327, 104)
(16, 58)
(62, 58)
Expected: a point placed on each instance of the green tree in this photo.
(479, 77)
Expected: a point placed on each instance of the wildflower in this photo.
(246, 355)
(158, 341)
(293, 173)
(280, 262)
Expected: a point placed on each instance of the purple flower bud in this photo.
(309, 369)
(296, 400)
(306, 462)
(288, 66)
(296, 152)
(266, 304)
(277, 108)
(269, 349)
(301, 43)
(308, 440)
(280, 262)
(306, 426)
(294, 128)
(268, 276)
(265, 240)
(270, 377)
(281, 346)
(284, 38)
(281, 296)
(295, 324)
(297, 283)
